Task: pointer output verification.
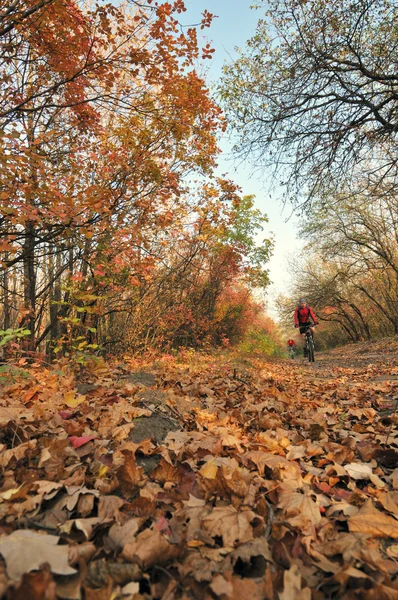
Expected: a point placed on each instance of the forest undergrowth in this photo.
(200, 476)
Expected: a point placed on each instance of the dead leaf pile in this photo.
(272, 481)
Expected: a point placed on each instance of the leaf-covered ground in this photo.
(206, 478)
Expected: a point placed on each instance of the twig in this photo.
(270, 518)
(40, 526)
(15, 435)
(177, 584)
(159, 412)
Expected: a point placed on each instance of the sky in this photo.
(234, 25)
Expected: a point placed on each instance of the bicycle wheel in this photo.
(310, 344)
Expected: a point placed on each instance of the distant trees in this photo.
(315, 96)
(350, 269)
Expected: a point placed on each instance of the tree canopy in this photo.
(315, 93)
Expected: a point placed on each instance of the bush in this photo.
(257, 341)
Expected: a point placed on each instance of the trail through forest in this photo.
(201, 477)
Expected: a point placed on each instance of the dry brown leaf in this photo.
(234, 527)
(17, 453)
(380, 592)
(108, 507)
(120, 535)
(221, 587)
(25, 551)
(388, 502)
(292, 586)
(36, 586)
(300, 509)
(283, 469)
(149, 548)
(359, 470)
(166, 473)
(372, 521)
(130, 476)
(84, 551)
(131, 588)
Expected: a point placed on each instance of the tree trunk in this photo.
(6, 287)
(29, 284)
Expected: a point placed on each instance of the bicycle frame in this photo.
(309, 344)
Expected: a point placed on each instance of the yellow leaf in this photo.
(72, 401)
(209, 470)
(8, 494)
(195, 544)
(103, 470)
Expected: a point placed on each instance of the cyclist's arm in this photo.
(313, 317)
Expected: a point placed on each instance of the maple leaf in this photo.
(232, 526)
(372, 521)
(150, 547)
(25, 550)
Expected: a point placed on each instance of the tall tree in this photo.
(315, 93)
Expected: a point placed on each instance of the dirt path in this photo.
(367, 369)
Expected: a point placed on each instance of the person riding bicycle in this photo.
(291, 347)
(304, 317)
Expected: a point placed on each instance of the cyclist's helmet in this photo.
(302, 301)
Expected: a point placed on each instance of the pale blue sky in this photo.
(235, 23)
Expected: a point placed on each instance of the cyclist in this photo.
(304, 317)
(291, 347)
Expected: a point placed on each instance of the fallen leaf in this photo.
(234, 527)
(131, 588)
(71, 400)
(149, 548)
(358, 470)
(372, 521)
(119, 535)
(292, 586)
(82, 440)
(36, 586)
(25, 551)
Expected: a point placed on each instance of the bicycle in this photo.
(292, 352)
(309, 344)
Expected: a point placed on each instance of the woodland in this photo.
(155, 440)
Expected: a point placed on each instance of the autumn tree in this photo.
(314, 93)
(199, 292)
(99, 126)
(100, 234)
(349, 266)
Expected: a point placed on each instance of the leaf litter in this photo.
(203, 480)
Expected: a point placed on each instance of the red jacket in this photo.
(302, 315)
(291, 343)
